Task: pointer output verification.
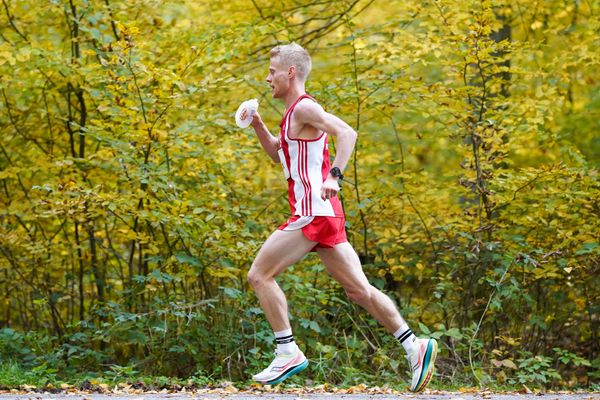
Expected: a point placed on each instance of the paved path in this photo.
(299, 396)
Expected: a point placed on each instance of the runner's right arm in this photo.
(268, 141)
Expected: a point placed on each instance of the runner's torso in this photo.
(306, 166)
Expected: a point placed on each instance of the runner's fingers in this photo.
(327, 193)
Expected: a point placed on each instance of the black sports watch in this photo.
(336, 173)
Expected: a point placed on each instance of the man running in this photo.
(317, 221)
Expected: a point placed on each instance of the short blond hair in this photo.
(296, 55)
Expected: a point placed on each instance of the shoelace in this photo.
(277, 354)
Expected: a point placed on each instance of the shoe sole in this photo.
(429, 366)
(286, 374)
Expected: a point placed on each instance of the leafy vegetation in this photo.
(133, 206)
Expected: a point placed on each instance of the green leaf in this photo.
(424, 329)
(315, 326)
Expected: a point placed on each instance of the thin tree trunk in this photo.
(98, 275)
(80, 275)
(498, 36)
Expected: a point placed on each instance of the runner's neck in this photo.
(293, 96)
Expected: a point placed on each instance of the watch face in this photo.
(335, 172)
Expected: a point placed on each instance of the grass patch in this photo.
(12, 375)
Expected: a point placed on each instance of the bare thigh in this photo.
(280, 250)
(343, 264)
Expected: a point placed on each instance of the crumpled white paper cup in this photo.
(245, 113)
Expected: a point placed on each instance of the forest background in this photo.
(132, 206)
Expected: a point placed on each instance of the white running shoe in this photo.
(421, 363)
(282, 367)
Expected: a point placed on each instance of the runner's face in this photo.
(278, 78)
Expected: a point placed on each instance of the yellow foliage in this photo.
(477, 152)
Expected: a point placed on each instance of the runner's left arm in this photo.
(311, 113)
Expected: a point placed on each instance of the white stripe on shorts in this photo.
(299, 223)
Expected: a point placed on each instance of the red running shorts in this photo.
(326, 231)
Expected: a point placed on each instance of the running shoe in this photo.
(282, 367)
(421, 363)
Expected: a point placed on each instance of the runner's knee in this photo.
(255, 278)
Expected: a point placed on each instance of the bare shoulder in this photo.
(308, 110)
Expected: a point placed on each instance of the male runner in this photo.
(317, 221)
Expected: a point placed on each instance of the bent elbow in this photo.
(352, 135)
(274, 155)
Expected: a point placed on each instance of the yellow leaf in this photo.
(24, 55)
(536, 25)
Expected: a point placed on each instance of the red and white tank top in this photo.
(306, 166)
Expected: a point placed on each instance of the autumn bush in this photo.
(133, 206)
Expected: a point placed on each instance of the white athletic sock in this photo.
(285, 341)
(407, 338)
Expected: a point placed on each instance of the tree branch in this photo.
(12, 23)
(112, 21)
